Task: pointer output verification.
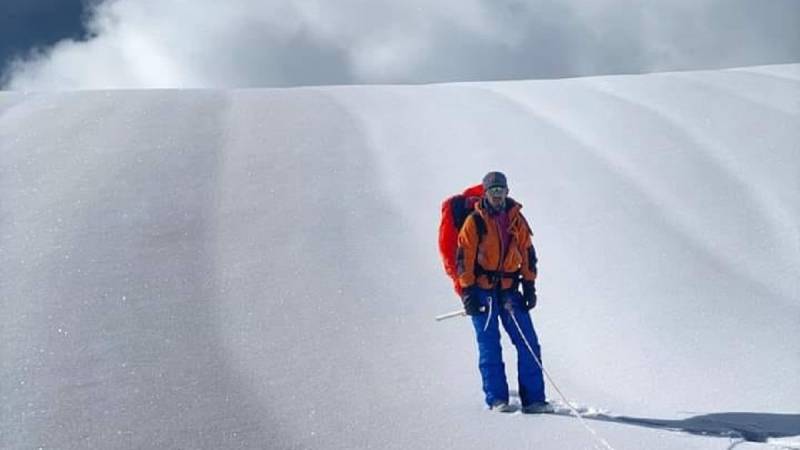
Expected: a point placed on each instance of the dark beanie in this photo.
(494, 179)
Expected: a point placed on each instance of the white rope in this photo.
(488, 316)
(594, 434)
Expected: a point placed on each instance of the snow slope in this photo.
(258, 268)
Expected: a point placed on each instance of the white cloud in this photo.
(243, 43)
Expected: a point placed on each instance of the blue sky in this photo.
(258, 43)
(26, 24)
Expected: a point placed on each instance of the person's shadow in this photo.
(752, 427)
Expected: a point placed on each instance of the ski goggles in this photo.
(497, 191)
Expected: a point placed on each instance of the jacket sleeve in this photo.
(466, 253)
(529, 259)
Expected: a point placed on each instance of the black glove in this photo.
(472, 303)
(529, 294)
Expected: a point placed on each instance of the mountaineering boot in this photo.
(501, 406)
(538, 408)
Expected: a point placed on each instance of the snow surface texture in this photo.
(258, 268)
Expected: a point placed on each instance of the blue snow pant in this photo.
(490, 354)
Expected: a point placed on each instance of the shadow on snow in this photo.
(752, 427)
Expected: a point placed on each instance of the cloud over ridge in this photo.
(249, 43)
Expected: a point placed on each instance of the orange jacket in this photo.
(520, 256)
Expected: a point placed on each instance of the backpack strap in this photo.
(460, 210)
(480, 228)
(479, 224)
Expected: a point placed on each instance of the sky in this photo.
(55, 45)
(29, 24)
(256, 269)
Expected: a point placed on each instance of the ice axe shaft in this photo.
(458, 313)
(450, 315)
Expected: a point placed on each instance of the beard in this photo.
(496, 204)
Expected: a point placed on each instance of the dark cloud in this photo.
(729, 33)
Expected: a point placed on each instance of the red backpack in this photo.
(455, 211)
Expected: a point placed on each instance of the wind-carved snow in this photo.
(258, 268)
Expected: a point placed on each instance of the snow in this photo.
(258, 268)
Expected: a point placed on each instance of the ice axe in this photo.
(450, 315)
(458, 313)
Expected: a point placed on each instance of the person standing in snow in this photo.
(495, 257)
